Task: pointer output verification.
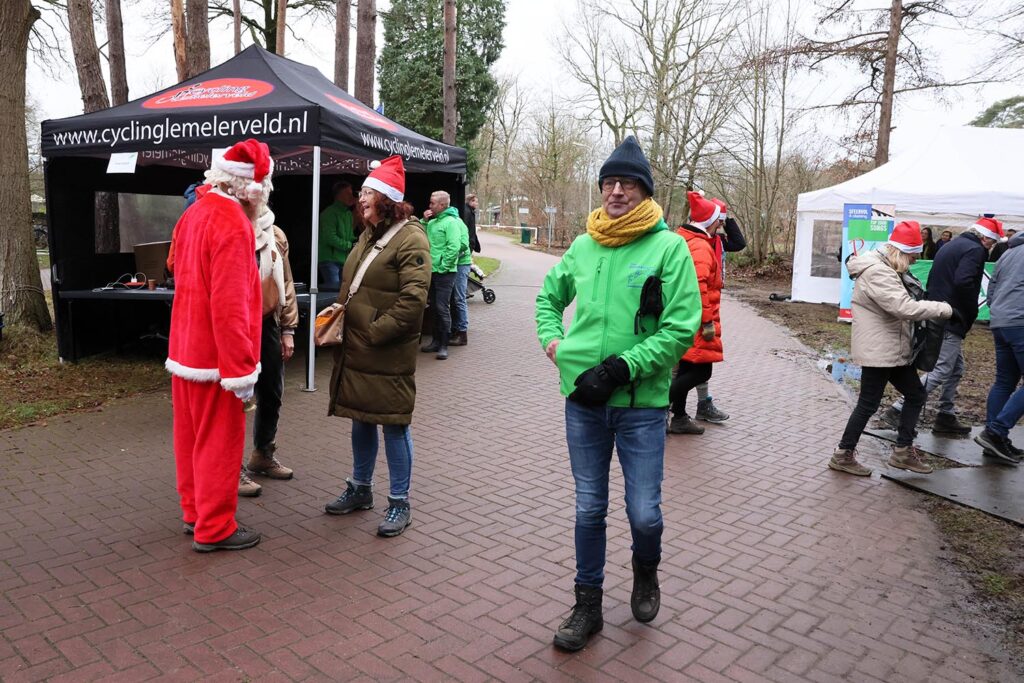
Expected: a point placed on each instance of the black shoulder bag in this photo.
(927, 333)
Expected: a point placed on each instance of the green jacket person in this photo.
(444, 230)
(638, 308)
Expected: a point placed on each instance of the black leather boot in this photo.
(646, 598)
(584, 620)
(442, 346)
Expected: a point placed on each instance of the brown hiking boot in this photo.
(265, 463)
(682, 424)
(247, 488)
(458, 339)
(845, 460)
(909, 458)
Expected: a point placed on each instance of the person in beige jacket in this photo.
(280, 318)
(882, 342)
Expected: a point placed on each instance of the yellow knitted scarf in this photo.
(615, 232)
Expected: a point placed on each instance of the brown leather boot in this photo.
(264, 462)
(458, 339)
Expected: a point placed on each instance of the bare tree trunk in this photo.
(198, 46)
(21, 291)
(94, 97)
(115, 53)
(450, 113)
(342, 31)
(366, 50)
(87, 56)
(888, 83)
(180, 38)
(282, 7)
(236, 13)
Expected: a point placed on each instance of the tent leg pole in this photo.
(313, 249)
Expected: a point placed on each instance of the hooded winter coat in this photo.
(709, 276)
(956, 277)
(374, 368)
(883, 313)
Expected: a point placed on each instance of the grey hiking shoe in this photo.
(240, 540)
(909, 458)
(709, 412)
(890, 417)
(845, 460)
(247, 488)
(397, 517)
(997, 446)
(682, 424)
(355, 497)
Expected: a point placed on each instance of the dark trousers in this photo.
(440, 299)
(872, 384)
(269, 386)
(688, 375)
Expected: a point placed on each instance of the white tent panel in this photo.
(948, 180)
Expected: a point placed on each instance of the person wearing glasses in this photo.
(638, 309)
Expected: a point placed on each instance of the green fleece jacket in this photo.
(606, 283)
(337, 233)
(445, 234)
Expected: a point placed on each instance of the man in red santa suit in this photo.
(214, 348)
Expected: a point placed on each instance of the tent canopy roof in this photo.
(254, 94)
(959, 170)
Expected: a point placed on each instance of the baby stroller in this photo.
(475, 284)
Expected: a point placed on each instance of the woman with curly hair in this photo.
(373, 382)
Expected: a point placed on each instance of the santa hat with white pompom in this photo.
(248, 159)
(388, 178)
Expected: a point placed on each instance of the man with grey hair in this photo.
(444, 231)
(955, 278)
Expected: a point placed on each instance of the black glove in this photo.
(595, 386)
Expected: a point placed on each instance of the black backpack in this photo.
(927, 333)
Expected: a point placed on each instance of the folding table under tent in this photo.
(312, 126)
(946, 181)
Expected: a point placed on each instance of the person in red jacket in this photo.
(214, 346)
(695, 367)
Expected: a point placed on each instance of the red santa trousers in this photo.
(209, 440)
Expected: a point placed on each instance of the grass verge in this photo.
(487, 264)
(34, 385)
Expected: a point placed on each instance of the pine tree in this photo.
(411, 64)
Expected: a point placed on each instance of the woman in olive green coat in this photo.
(373, 382)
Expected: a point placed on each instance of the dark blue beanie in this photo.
(628, 160)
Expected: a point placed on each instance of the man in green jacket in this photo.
(444, 230)
(638, 309)
(337, 234)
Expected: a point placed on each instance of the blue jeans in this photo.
(1006, 400)
(638, 435)
(397, 448)
(460, 312)
(330, 274)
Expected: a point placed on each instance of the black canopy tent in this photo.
(312, 127)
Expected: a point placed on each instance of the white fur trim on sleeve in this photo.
(242, 169)
(382, 187)
(193, 374)
(239, 383)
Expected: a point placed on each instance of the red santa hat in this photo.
(703, 212)
(989, 227)
(907, 237)
(721, 205)
(388, 178)
(248, 159)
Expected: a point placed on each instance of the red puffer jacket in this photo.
(709, 276)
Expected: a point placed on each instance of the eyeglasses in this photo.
(366, 192)
(628, 184)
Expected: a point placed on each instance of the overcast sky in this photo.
(532, 31)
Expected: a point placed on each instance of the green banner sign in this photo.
(921, 270)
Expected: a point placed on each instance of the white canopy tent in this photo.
(947, 180)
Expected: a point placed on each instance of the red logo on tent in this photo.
(213, 93)
(365, 113)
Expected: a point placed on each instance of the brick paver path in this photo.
(775, 568)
